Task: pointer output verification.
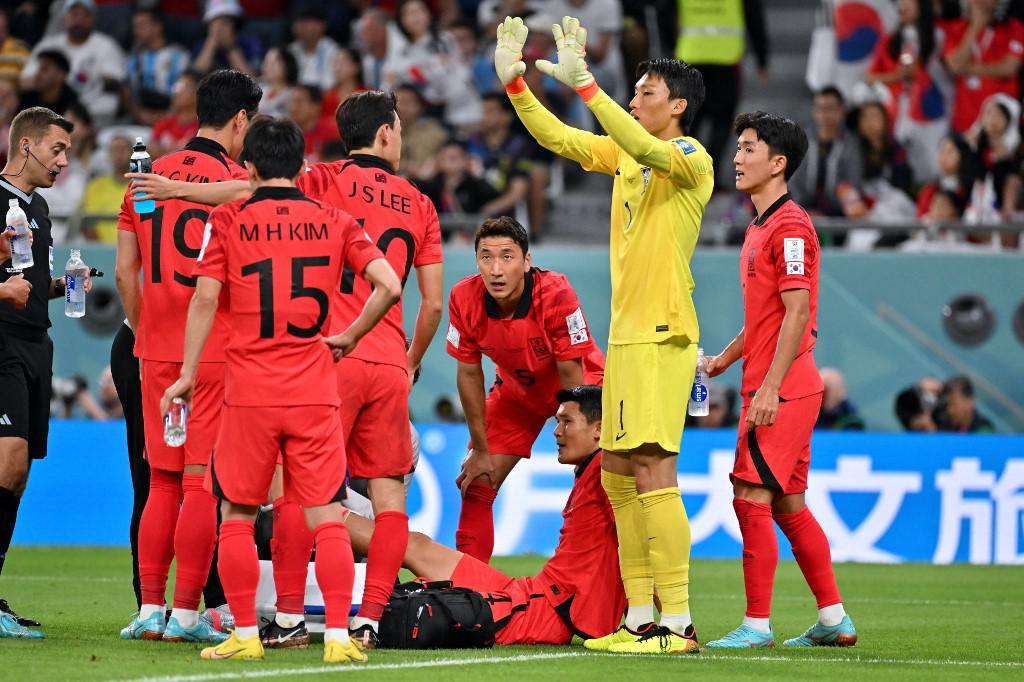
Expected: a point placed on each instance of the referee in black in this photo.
(39, 142)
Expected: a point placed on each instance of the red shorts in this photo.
(375, 418)
(512, 428)
(307, 438)
(203, 418)
(779, 455)
(522, 614)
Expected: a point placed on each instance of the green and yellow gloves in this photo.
(571, 46)
(508, 53)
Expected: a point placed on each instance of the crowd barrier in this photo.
(882, 498)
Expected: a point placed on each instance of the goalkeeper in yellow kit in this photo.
(663, 181)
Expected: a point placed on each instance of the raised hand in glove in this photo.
(571, 45)
(508, 53)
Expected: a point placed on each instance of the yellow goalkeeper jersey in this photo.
(659, 194)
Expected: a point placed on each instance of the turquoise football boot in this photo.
(744, 637)
(843, 634)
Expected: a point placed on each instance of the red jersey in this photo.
(169, 240)
(547, 326)
(399, 219)
(280, 255)
(780, 252)
(582, 580)
(991, 46)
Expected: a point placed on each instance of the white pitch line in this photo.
(855, 659)
(65, 578)
(869, 600)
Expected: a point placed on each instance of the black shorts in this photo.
(26, 375)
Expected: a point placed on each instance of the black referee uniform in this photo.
(26, 352)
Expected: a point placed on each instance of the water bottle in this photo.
(74, 285)
(21, 243)
(174, 423)
(141, 163)
(699, 395)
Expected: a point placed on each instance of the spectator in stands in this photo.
(456, 191)
(422, 136)
(490, 13)
(958, 169)
(603, 19)
(887, 178)
(333, 150)
(104, 194)
(909, 63)
(348, 79)
(14, 52)
(179, 125)
(97, 64)
(224, 47)
(479, 59)
(69, 393)
(278, 75)
(313, 49)
(959, 413)
(996, 140)
(9, 106)
(914, 412)
(65, 197)
(828, 182)
(153, 66)
(304, 107)
(983, 51)
(373, 30)
(504, 154)
(49, 87)
(837, 412)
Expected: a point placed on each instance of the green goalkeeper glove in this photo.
(508, 53)
(571, 44)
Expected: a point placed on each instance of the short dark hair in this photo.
(502, 99)
(155, 14)
(832, 91)
(55, 57)
(312, 91)
(503, 226)
(275, 146)
(222, 94)
(683, 80)
(782, 136)
(362, 114)
(587, 396)
(961, 383)
(33, 123)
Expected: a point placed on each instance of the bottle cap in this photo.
(13, 203)
(140, 146)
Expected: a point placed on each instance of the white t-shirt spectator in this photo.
(316, 67)
(97, 58)
(598, 17)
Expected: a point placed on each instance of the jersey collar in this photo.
(27, 198)
(276, 194)
(370, 161)
(760, 220)
(525, 301)
(205, 145)
(582, 466)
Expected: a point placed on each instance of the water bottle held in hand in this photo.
(21, 243)
(74, 285)
(142, 163)
(699, 395)
(174, 423)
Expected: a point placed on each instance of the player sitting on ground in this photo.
(277, 255)
(579, 590)
(781, 387)
(530, 323)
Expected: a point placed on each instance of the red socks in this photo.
(156, 533)
(335, 572)
(475, 535)
(760, 554)
(290, 548)
(194, 541)
(810, 548)
(239, 569)
(383, 560)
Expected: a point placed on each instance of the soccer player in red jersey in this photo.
(277, 255)
(530, 323)
(579, 590)
(781, 387)
(180, 517)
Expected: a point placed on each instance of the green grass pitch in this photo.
(915, 622)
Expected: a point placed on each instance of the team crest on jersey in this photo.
(453, 335)
(646, 172)
(539, 348)
(751, 269)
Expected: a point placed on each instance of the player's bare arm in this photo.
(387, 289)
(126, 275)
(430, 279)
(570, 372)
(716, 364)
(765, 405)
(201, 311)
(469, 379)
(211, 193)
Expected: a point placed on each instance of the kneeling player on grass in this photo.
(781, 387)
(277, 255)
(579, 590)
(530, 323)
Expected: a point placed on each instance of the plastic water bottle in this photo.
(698, 406)
(175, 422)
(21, 243)
(142, 163)
(74, 285)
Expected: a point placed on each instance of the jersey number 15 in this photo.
(265, 270)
